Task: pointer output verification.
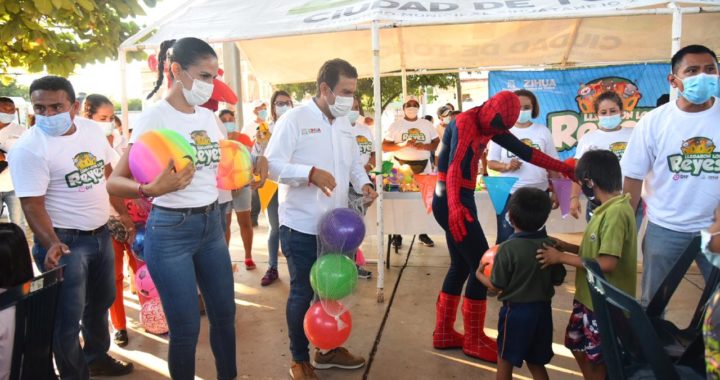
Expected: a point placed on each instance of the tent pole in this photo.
(459, 92)
(676, 39)
(378, 160)
(123, 91)
(403, 78)
(231, 60)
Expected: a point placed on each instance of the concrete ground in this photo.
(403, 350)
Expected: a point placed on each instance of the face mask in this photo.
(6, 118)
(705, 238)
(411, 112)
(262, 114)
(353, 116)
(55, 125)
(698, 89)
(199, 93)
(279, 111)
(588, 191)
(609, 122)
(230, 126)
(342, 106)
(107, 126)
(446, 120)
(525, 116)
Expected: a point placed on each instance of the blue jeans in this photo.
(300, 249)
(182, 250)
(86, 294)
(661, 248)
(14, 207)
(274, 232)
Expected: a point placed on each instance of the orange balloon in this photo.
(489, 258)
(325, 331)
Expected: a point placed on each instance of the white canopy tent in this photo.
(287, 41)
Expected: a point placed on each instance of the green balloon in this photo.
(333, 276)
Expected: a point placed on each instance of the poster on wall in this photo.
(566, 97)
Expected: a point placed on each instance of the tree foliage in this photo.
(56, 35)
(134, 104)
(391, 88)
(15, 90)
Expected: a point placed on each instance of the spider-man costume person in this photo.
(454, 208)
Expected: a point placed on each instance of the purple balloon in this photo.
(342, 230)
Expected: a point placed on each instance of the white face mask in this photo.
(107, 126)
(342, 106)
(199, 93)
(447, 119)
(705, 238)
(279, 111)
(353, 116)
(411, 112)
(6, 118)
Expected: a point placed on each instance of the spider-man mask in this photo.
(499, 113)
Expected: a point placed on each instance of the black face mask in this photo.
(589, 193)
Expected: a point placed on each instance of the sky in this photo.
(104, 78)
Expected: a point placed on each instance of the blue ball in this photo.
(139, 243)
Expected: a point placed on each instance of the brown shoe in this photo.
(337, 357)
(302, 371)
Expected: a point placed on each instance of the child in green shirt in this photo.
(525, 328)
(611, 240)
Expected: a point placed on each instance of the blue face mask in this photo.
(55, 125)
(698, 89)
(230, 126)
(525, 116)
(263, 114)
(609, 122)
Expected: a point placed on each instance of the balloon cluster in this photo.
(333, 278)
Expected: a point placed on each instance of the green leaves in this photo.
(58, 35)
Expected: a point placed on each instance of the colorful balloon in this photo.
(154, 149)
(235, 169)
(152, 317)
(144, 283)
(324, 330)
(138, 245)
(342, 230)
(333, 276)
(489, 258)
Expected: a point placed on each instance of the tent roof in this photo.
(287, 40)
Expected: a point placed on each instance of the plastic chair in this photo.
(641, 357)
(674, 339)
(35, 303)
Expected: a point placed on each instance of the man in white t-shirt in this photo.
(10, 132)
(59, 169)
(673, 151)
(314, 156)
(411, 139)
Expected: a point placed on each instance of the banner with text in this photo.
(566, 96)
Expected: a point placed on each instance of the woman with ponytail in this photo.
(184, 239)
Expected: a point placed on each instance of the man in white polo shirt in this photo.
(673, 149)
(10, 132)
(314, 156)
(59, 168)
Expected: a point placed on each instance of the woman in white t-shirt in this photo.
(500, 159)
(610, 135)
(100, 109)
(184, 240)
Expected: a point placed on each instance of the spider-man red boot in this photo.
(445, 335)
(476, 343)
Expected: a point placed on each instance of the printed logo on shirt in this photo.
(618, 148)
(697, 156)
(91, 171)
(527, 142)
(366, 147)
(413, 134)
(310, 131)
(208, 152)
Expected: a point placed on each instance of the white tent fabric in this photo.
(288, 40)
(419, 35)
